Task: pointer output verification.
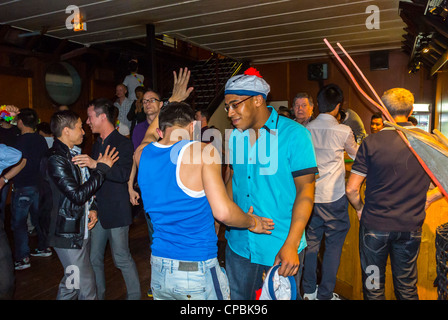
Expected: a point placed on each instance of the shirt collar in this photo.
(407, 125)
(327, 117)
(114, 132)
(272, 122)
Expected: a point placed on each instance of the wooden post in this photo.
(151, 47)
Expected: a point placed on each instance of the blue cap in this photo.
(276, 287)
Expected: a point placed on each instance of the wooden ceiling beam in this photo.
(3, 31)
(79, 52)
(439, 63)
(25, 52)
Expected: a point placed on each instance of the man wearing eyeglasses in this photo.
(151, 106)
(272, 169)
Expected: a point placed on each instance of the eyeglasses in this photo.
(234, 106)
(152, 100)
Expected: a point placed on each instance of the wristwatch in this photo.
(4, 179)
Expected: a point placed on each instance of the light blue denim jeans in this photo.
(188, 280)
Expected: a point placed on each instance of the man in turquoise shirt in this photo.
(273, 169)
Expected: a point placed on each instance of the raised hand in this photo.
(13, 110)
(180, 90)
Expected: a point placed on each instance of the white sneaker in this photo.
(335, 297)
(310, 296)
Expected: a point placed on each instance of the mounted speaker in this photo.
(379, 60)
(318, 71)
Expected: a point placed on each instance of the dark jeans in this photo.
(332, 220)
(24, 200)
(374, 249)
(45, 207)
(3, 197)
(150, 228)
(245, 278)
(6, 266)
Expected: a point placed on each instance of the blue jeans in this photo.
(245, 277)
(374, 249)
(187, 280)
(24, 200)
(332, 220)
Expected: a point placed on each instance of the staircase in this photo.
(209, 79)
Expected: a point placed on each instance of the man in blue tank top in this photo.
(183, 192)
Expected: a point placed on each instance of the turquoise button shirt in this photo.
(263, 177)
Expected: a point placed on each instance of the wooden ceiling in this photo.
(426, 38)
(259, 31)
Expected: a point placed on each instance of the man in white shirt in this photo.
(123, 105)
(330, 215)
(133, 80)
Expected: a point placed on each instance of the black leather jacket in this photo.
(69, 196)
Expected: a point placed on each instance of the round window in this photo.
(63, 83)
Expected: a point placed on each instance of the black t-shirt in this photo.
(9, 136)
(33, 147)
(396, 183)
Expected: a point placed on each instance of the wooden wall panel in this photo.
(441, 110)
(349, 282)
(16, 91)
(289, 78)
(276, 75)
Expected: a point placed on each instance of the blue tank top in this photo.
(182, 218)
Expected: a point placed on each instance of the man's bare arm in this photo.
(181, 91)
(223, 208)
(352, 190)
(13, 171)
(133, 195)
(432, 196)
(301, 211)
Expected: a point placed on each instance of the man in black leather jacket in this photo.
(74, 210)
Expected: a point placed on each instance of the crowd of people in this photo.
(281, 194)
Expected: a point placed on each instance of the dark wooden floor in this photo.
(41, 280)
